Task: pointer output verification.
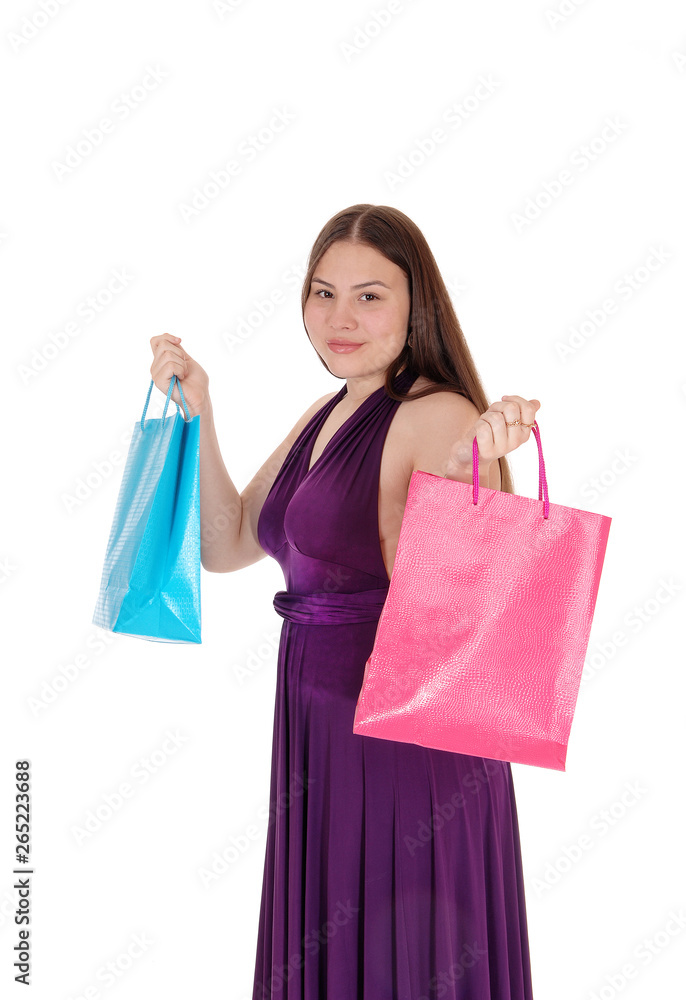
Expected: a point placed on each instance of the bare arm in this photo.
(228, 518)
(444, 418)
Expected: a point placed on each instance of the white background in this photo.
(361, 98)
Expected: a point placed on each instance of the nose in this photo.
(342, 317)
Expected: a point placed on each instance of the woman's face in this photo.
(360, 297)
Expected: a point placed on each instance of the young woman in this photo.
(392, 871)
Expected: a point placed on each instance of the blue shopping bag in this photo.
(150, 585)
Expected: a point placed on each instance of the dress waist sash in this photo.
(330, 609)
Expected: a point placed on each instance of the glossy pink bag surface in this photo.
(481, 641)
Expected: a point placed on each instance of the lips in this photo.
(345, 343)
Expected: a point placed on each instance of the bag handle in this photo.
(169, 392)
(542, 481)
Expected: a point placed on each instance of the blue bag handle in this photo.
(169, 392)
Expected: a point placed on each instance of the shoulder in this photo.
(432, 424)
(316, 407)
(438, 409)
(303, 420)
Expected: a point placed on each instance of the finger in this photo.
(170, 353)
(168, 337)
(497, 441)
(163, 377)
(536, 403)
(527, 407)
(171, 361)
(512, 412)
(507, 434)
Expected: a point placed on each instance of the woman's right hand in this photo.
(169, 359)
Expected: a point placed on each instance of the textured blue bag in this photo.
(150, 586)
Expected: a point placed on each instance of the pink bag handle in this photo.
(542, 481)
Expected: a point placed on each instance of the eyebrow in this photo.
(363, 284)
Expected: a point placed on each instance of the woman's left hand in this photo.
(493, 437)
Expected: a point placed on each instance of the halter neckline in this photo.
(399, 379)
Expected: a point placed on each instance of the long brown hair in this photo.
(439, 350)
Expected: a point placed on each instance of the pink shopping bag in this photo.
(481, 641)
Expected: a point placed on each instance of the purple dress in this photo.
(392, 871)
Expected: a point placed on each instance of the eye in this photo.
(325, 291)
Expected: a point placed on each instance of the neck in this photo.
(358, 388)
